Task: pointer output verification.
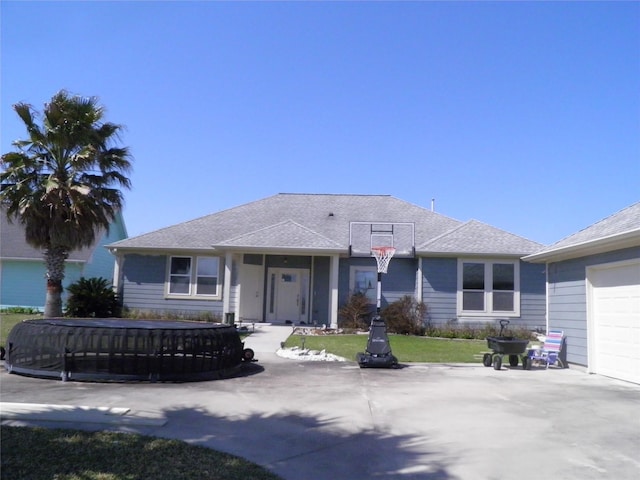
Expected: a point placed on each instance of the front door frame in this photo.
(275, 295)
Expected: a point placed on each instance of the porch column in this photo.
(118, 273)
(226, 289)
(333, 290)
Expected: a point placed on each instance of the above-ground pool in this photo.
(123, 349)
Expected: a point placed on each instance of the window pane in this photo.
(180, 266)
(503, 301)
(179, 284)
(473, 276)
(473, 301)
(366, 281)
(503, 276)
(207, 286)
(208, 266)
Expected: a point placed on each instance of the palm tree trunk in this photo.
(55, 258)
(53, 300)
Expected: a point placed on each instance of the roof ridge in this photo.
(274, 225)
(442, 235)
(335, 194)
(593, 225)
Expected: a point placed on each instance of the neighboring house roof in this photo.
(477, 238)
(313, 222)
(618, 231)
(13, 245)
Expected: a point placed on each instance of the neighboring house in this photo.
(297, 258)
(593, 288)
(22, 267)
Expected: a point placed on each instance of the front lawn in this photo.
(43, 454)
(8, 320)
(405, 347)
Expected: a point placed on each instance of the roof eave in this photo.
(426, 253)
(604, 244)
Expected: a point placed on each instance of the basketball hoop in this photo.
(383, 257)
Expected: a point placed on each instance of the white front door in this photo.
(288, 295)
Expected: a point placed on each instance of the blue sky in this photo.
(525, 116)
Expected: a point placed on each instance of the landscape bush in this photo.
(356, 313)
(21, 310)
(92, 298)
(203, 316)
(405, 316)
(479, 331)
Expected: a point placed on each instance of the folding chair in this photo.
(551, 350)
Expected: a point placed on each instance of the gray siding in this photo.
(568, 298)
(533, 307)
(439, 287)
(439, 290)
(320, 294)
(143, 288)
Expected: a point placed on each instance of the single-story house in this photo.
(296, 258)
(593, 289)
(22, 268)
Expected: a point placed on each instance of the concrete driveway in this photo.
(335, 421)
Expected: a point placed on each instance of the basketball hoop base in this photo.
(378, 353)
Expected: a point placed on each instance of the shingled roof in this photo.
(477, 238)
(13, 245)
(319, 222)
(617, 231)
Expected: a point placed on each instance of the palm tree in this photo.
(63, 182)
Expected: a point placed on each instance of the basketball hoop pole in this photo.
(383, 256)
(378, 353)
(379, 294)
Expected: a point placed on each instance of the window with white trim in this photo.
(364, 280)
(194, 276)
(489, 287)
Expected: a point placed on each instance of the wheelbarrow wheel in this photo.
(513, 360)
(487, 359)
(497, 362)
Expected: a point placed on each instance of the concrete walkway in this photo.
(335, 421)
(265, 337)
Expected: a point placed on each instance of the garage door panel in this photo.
(615, 320)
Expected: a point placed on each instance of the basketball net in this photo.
(383, 257)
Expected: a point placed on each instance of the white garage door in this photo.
(614, 320)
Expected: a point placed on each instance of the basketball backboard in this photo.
(364, 235)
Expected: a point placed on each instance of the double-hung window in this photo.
(194, 276)
(489, 288)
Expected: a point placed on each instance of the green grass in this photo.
(405, 347)
(43, 454)
(8, 320)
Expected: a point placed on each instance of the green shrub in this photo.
(405, 316)
(479, 331)
(203, 316)
(23, 310)
(92, 297)
(356, 312)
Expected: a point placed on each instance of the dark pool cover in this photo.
(123, 349)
